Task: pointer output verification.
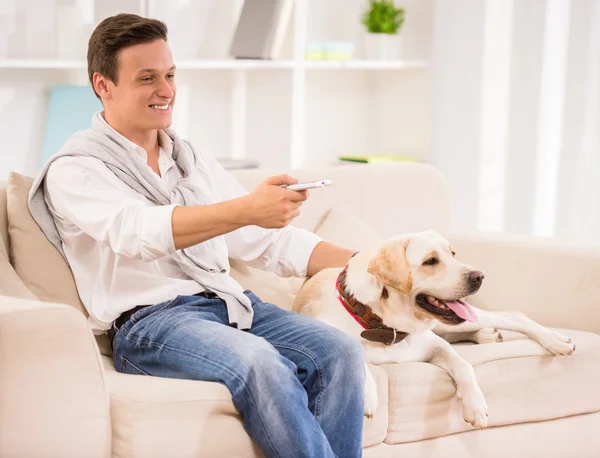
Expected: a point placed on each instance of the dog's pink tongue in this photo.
(463, 310)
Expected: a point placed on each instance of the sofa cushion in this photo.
(341, 227)
(520, 380)
(10, 283)
(4, 250)
(41, 268)
(270, 287)
(194, 418)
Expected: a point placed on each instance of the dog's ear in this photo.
(390, 266)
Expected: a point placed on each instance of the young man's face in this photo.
(144, 96)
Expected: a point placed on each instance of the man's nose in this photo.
(166, 90)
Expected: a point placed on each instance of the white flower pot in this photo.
(383, 46)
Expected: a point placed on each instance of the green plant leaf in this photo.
(382, 16)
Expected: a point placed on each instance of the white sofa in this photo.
(60, 395)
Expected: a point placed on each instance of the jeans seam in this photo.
(126, 361)
(226, 369)
(313, 358)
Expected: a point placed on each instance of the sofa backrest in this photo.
(391, 198)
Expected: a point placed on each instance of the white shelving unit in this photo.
(302, 82)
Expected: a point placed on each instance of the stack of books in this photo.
(261, 29)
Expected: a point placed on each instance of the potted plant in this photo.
(383, 22)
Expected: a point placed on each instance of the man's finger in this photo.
(278, 180)
(296, 196)
(304, 194)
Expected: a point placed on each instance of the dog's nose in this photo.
(476, 277)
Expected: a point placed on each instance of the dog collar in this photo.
(374, 329)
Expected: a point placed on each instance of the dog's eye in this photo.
(431, 262)
(454, 253)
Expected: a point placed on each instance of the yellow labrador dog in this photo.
(404, 300)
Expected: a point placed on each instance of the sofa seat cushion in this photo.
(158, 417)
(520, 380)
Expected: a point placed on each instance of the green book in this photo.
(377, 158)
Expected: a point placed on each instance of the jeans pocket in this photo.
(127, 367)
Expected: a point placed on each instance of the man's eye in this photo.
(146, 79)
(431, 262)
(171, 75)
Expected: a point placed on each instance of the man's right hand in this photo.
(273, 207)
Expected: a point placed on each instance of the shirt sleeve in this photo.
(85, 193)
(284, 251)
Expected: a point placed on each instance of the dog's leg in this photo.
(371, 397)
(467, 389)
(555, 343)
(482, 336)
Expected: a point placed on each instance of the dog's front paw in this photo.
(371, 396)
(557, 344)
(370, 404)
(488, 335)
(371, 399)
(474, 408)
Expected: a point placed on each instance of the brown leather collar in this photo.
(375, 330)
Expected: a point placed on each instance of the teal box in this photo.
(70, 109)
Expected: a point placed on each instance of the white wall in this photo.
(516, 114)
(457, 96)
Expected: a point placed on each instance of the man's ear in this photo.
(390, 266)
(101, 86)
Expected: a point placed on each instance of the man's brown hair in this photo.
(115, 33)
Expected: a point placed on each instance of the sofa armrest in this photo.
(53, 400)
(555, 283)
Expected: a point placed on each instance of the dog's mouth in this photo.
(450, 312)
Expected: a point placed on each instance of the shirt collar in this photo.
(165, 142)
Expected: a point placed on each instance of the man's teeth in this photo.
(159, 107)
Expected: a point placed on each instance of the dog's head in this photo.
(419, 271)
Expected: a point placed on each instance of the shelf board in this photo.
(228, 64)
(44, 64)
(233, 64)
(223, 64)
(365, 64)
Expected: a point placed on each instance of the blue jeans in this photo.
(297, 383)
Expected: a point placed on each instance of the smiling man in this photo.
(147, 224)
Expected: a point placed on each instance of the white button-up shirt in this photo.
(120, 245)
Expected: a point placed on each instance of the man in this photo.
(147, 225)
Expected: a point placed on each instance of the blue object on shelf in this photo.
(70, 109)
